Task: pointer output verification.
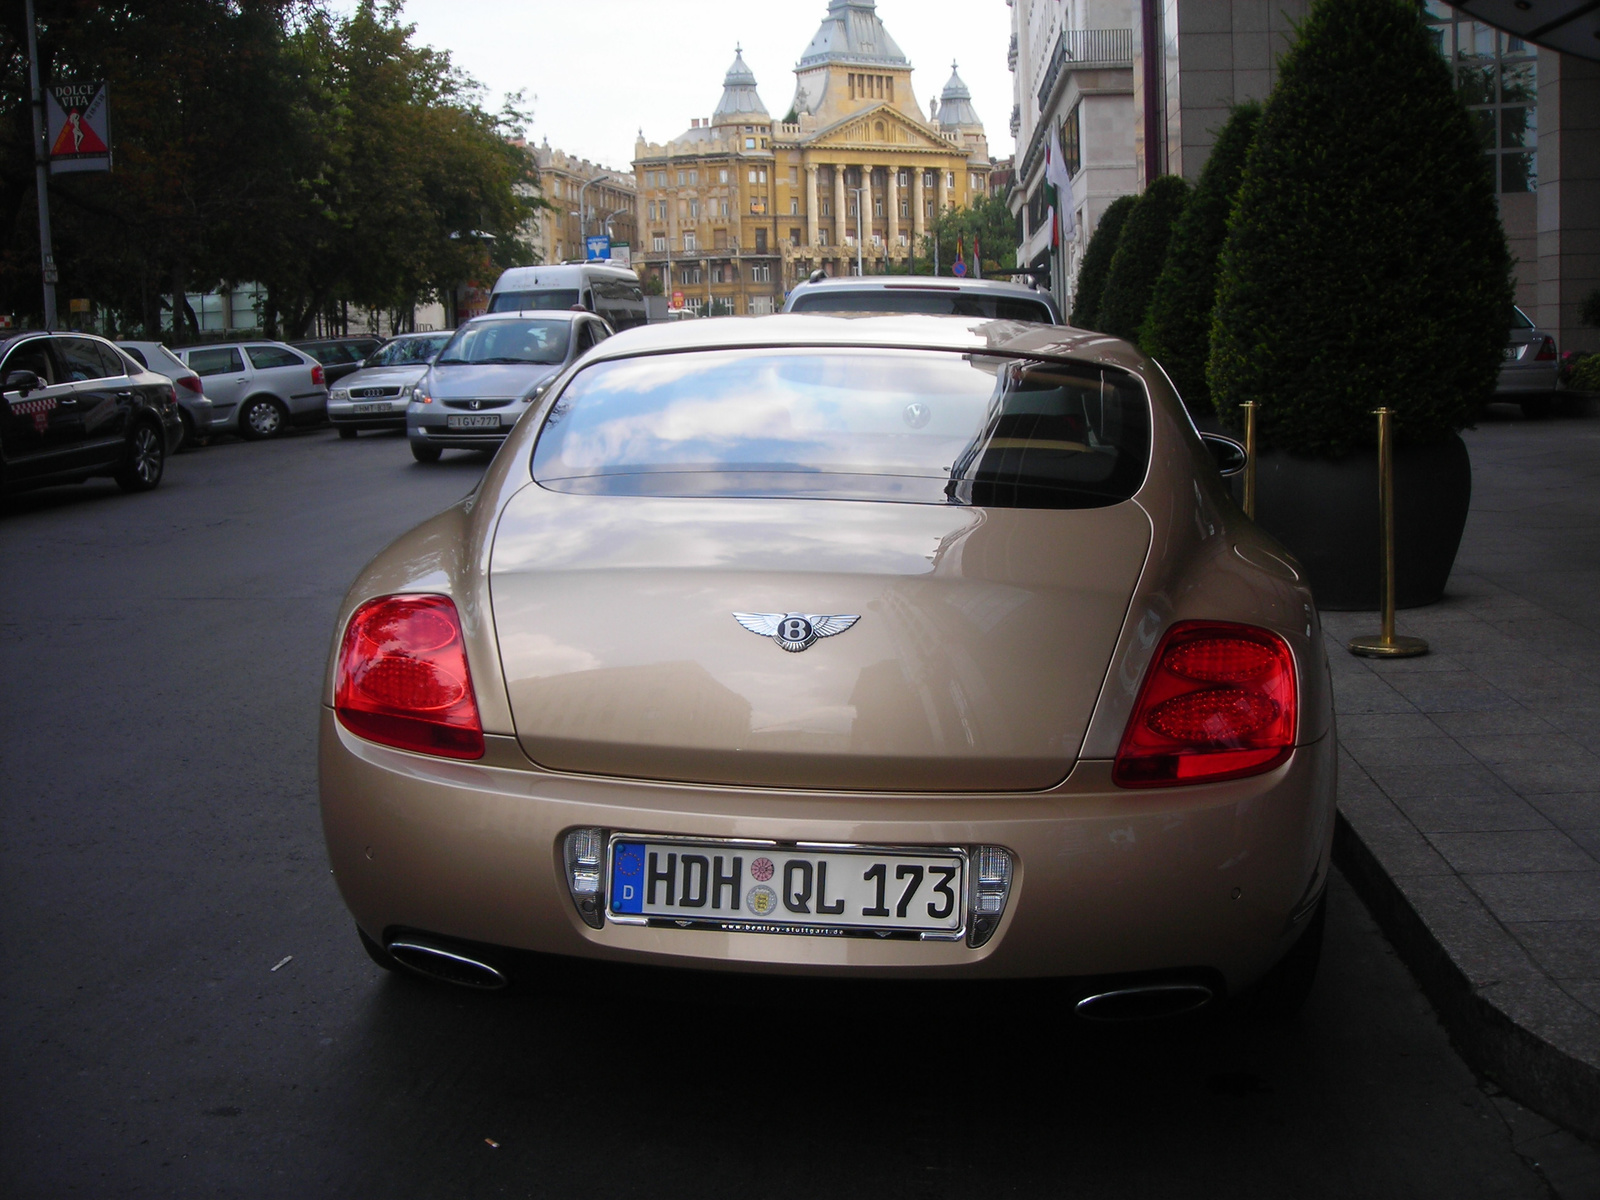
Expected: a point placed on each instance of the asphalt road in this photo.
(160, 852)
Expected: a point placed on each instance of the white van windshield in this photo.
(548, 298)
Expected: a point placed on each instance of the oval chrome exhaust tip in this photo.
(1147, 1003)
(451, 966)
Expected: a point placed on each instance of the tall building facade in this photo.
(738, 208)
(587, 199)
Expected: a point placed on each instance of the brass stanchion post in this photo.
(1249, 407)
(1387, 644)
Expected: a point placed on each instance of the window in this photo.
(717, 270)
(691, 274)
(694, 177)
(749, 143)
(689, 241)
(659, 243)
(760, 305)
(1497, 79)
(224, 361)
(794, 237)
(724, 208)
(761, 272)
(694, 210)
(680, 178)
(905, 208)
(794, 176)
(80, 359)
(508, 341)
(1003, 433)
(264, 358)
(722, 175)
(762, 175)
(950, 179)
(877, 206)
(794, 206)
(822, 237)
(761, 241)
(1072, 140)
(826, 207)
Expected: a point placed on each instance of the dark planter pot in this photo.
(1326, 512)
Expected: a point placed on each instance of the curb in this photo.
(1561, 1084)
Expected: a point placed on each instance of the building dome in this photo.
(740, 103)
(955, 105)
(852, 32)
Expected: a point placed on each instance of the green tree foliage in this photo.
(1096, 263)
(988, 219)
(329, 158)
(1365, 263)
(1177, 328)
(1141, 251)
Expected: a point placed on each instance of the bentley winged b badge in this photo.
(795, 631)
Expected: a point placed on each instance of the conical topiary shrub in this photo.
(1097, 262)
(1141, 251)
(1365, 263)
(1177, 329)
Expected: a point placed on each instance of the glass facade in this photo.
(1497, 77)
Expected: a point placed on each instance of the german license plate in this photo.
(480, 421)
(806, 889)
(370, 408)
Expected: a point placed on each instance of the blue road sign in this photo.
(598, 246)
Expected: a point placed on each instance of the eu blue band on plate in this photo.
(627, 877)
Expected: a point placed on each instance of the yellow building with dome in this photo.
(738, 208)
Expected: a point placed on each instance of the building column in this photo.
(811, 204)
(840, 221)
(917, 200)
(891, 204)
(866, 214)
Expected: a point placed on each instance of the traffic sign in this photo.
(959, 269)
(597, 246)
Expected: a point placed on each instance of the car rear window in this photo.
(937, 301)
(931, 427)
(266, 357)
(1519, 319)
(215, 362)
(545, 300)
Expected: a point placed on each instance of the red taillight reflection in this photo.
(192, 382)
(1219, 702)
(1547, 352)
(317, 376)
(403, 677)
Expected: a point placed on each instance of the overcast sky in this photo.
(596, 71)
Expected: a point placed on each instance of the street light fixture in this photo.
(583, 214)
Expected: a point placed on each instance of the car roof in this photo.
(920, 283)
(558, 314)
(560, 275)
(905, 331)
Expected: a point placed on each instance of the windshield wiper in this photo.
(445, 362)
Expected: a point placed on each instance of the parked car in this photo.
(936, 294)
(74, 406)
(375, 397)
(193, 407)
(612, 292)
(339, 356)
(488, 373)
(260, 388)
(1528, 375)
(884, 646)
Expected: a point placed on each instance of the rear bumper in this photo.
(1107, 881)
(1520, 379)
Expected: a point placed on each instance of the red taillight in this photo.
(192, 382)
(1547, 352)
(1218, 703)
(317, 377)
(403, 677)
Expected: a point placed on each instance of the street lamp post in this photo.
(41, 175)
(583, 210)
(860, 270)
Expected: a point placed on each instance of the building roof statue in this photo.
(852, 32)
(740, 102)
(955, 109)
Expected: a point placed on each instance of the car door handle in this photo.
(124, 395)
(67, 401)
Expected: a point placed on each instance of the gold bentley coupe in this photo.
(907, 647)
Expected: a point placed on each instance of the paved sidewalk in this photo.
(1470, 779)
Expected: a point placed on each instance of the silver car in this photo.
(195, 409)
(1528, 375)
(489, 373)
(933, 294)
(258, 389)
(375, 396)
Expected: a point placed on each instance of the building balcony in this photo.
(1011, 54)
(1016, 120)
(1086, 50)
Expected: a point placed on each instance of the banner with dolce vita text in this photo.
(78, 120)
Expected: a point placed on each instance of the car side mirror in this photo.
(1229, 454)
(22, 381)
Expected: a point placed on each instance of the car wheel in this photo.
(146, 460)
(262, 417)
(376, 952)
(347, 433)
(425, 453)
(1283, 990)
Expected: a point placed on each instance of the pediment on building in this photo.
(881, 127)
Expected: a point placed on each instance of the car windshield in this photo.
(508, 342)
(929, 427)
(404, 351)
(938, 301)
(541, 301)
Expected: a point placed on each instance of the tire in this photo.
(262, 417)
(376, 952)
(1282, 991)
(347, 433)
(146, 460)
(425, 453)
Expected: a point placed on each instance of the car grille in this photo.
(374, 393)
(477, 405)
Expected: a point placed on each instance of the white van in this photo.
(612, 292)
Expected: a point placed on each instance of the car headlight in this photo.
(339, 394)
(418, 394)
